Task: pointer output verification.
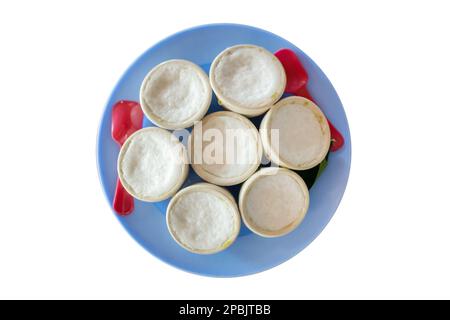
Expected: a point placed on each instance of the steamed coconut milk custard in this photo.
(225, 148)
(301, 130)
(273, 202)
(203, 218)
(247, 79)
(175, 94)
(152, 164)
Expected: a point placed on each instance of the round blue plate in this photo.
(250, 253)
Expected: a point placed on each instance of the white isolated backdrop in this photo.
(59, 61)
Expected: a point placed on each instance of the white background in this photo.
(389, 62)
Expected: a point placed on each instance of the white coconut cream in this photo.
(152, 164)
(247, 79)
(203, 218)
(175, 94)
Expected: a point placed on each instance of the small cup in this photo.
(175, 94)
(225, 148)
(295, 134)
(152, 164)
(273, 202)
(203, 218)
(247, 79)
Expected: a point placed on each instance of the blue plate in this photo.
(250, 253)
